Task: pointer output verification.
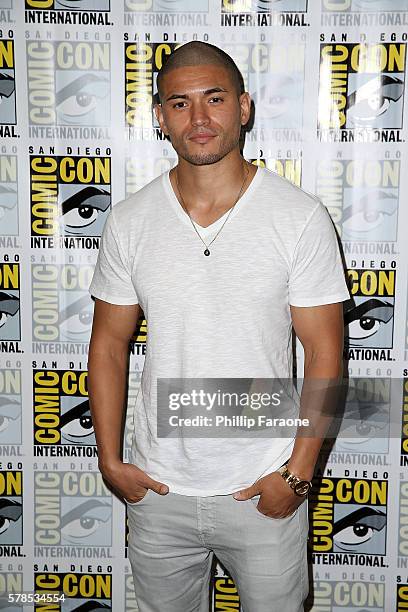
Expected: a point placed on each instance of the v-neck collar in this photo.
(218, 222)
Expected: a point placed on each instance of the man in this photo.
(223, 258)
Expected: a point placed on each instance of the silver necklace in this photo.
(207, 250)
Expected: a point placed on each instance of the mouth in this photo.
(202, 138)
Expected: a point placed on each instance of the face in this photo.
(201, 113)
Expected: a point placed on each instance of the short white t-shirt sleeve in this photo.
(317, 275)
(112, 281)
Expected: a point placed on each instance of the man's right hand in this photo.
(131, 482)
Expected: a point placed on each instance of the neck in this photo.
(212, 184)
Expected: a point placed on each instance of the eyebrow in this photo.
(205, 93)
(100, 198)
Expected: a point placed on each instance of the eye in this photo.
(364, 320)
(276, 105)
(4, 317)
(178, 105)
(371, 211)
(79, 104)
(9, 306)
(4, 422)
(373, 4)
(365, 221)
(4, 524)
(82, 527)
(7, 85)
(10, 512)
(84, 4)
(84, 208)
(180, 6)
(76, 424)
(10, 411)
(81, 217)
(373, 99)
(78, 428)
(364, 414)
(216, 99)
(77, 324)
(357, 534)
(361, 429)
(85, 519)
(265, 5)
(76, 319)
(8, 196)
(270, 100)
(358, 527)
(364, 328)
(82, 95)
(369, 109)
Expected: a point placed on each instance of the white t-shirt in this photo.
(222, 316)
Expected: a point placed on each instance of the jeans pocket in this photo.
(140, 500)
(254, 502)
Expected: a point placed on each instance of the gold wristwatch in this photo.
(300, 487)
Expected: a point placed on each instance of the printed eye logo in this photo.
(83, 521)
(383, 5)
(76, 319)
(370, 213)
(10, 513)
(77, 426)
(77, 101)
(179, 6)
(363, 420)
(91, 605)
(7, 86)
(365, 320)
(83, 5)
(84, 213)
(373, 99)
(8, 210)
(277, 98)
(365, 424)
(10, 413)
(270, 103)
(8, 200)
(265, 5)
(358, 528)
(9, 306)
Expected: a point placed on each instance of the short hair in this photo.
(198, 53)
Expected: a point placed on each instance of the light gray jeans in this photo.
(173, 538)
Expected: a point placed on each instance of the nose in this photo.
(199, 115)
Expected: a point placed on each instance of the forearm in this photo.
(318, 404)
(107, 377)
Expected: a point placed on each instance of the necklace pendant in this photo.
(207, 252)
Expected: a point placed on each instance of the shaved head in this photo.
(197, 53)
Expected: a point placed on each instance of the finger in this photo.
(245, 494)
(158, 487)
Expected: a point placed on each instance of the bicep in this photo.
(320, 329)
(113, 324)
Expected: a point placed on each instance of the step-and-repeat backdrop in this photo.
(77, 131)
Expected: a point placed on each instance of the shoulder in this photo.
(292, 209)
(288, 198)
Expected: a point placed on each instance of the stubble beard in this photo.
(206, 159)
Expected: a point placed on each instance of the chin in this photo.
(203, 160)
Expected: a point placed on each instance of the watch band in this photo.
(299, 486)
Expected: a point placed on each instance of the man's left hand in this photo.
(277, 499)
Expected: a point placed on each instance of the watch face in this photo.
(302, 487)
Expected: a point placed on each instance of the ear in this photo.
(245, 104)
(158, 111)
